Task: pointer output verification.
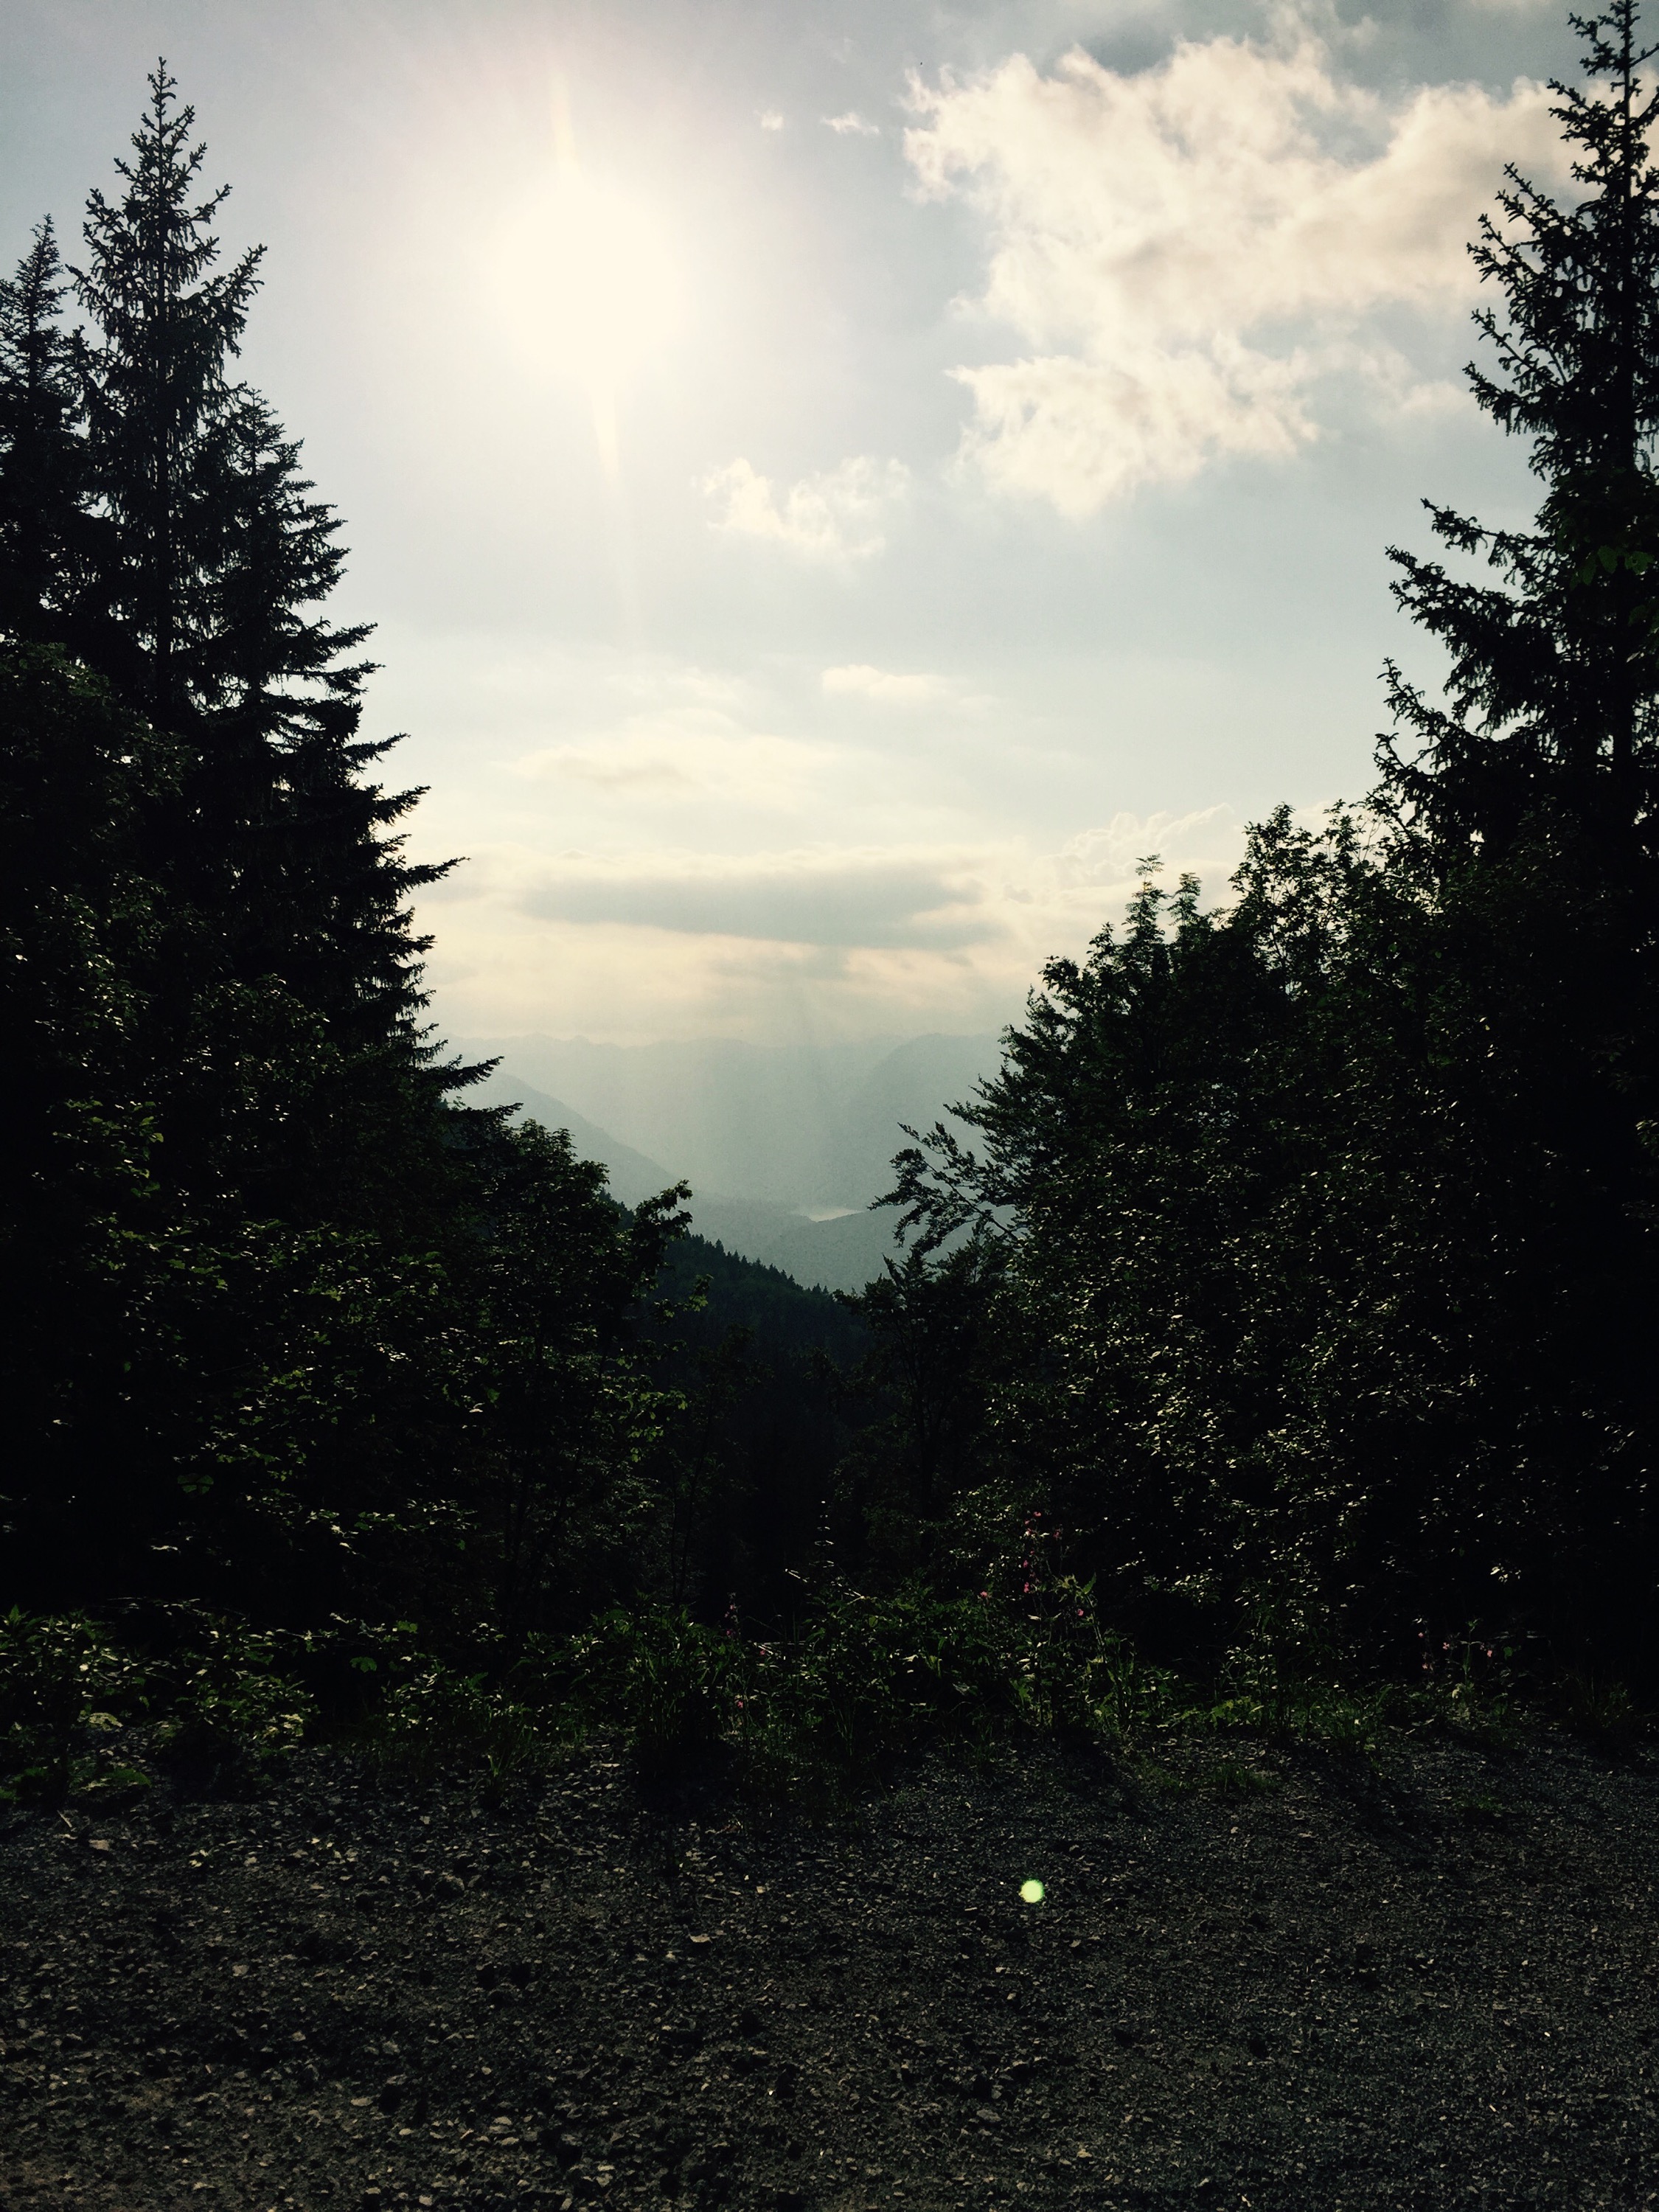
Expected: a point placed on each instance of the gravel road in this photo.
(1258, 1980)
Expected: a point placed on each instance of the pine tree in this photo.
(41, 453)
(1550, 723)
(157, 400)
(205, 608)
(285, 1326)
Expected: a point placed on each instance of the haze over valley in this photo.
(784, 1146)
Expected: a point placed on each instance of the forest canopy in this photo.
(1293, 1293)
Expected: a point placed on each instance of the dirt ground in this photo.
(1254, 1979)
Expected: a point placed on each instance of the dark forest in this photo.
(1279, 1344)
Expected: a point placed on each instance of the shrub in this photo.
(233, 1702)
(436, 1717)
(65, 1687)
(674, 1685)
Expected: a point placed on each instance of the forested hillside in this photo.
(1282, 1323)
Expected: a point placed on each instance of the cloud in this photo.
(1185, 252)
(687, 754)
(1108, 860)
(852, 123)
(876, 899)
(654, 943)
(859, 680)
(839, 515)
(770, 119)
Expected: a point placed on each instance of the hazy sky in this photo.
(837, 484)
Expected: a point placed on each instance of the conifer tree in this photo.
(203, 604)
(41, 452)
(1550, 722)
(165, 325)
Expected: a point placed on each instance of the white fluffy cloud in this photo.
(1096, 869)
(852, 123)
(839, 515)
(1184, 251)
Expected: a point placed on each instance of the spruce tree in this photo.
(165, 325)
(42, 455)
(227, 1090)
(1550, 722)
(203, 604)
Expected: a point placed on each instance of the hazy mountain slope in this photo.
(843, 1254)
(763, 1135)
(788, 1319)
(915, 1084)
(830, 1255)
(798, 1126)
(633, 1175)
(754, 1121)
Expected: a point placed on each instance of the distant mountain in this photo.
(633, 1175)
(915, 1084)
(802, 1127)
(787, 1320)
(841, 1254)
(766, 1136)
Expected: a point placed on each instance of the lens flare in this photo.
(1031, 1893)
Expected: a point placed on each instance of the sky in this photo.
(838, 485)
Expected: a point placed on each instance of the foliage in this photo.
(204, 1693)
(673, 1685)
(232, 1699)
(436, 1719)
(1316, 1234)
(62, 1681)
(1273, 1354)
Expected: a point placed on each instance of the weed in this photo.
(1298, 1710)
(435, 1718)
(218, 1695)
(673, 1685)
(1602, 1709)
(234, 1704)
(1481, 1811)
(1229, 1779)
(66, 1690)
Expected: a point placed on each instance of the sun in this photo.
(593, 281)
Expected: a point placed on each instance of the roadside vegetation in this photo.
(1274, 1359)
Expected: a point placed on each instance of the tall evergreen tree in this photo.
(222, 1096)
(203, 604)
(1550, 722)
(42, 454)
(165, 325)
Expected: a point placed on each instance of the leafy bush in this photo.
(232, 1702)
(437, 1718)
(65, 1686)
(72, 1688)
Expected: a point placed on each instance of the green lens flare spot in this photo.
(1031, 1891)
